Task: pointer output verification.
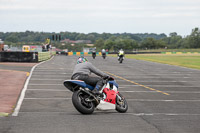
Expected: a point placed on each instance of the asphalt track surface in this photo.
(162, 99)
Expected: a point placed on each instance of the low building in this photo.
(75, 42)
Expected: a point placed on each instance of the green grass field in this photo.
(185, 60)
(170, 50)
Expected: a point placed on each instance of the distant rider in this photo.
(83, 70)
(103, 52)
(47, 43)
(94, 54)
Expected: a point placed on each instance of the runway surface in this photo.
(162, 99)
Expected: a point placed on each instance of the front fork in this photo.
(119, 99)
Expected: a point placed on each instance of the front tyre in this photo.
(121, 103)
(80, 103)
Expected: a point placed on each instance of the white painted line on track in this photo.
(46, 84)
(127, 85)
(39, 75)
(168, 86)
(135, 75)
(173, 86)
(167, 114)
(142, 81)
(160, 100)
(180, 114)
(136, 100)
(176, 86)
(51, 70)
(52, 74)
(46, 79)
(46, 98)
(136, 78)
(136, 114)
(164, 81)
(47, 90)
(65, 90)
(187, 92)
(22, 95)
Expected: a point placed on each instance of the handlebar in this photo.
(106, 79)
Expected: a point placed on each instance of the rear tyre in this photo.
(121, 104)
(120, 60)
(80, 103)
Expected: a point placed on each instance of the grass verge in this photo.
(3, 114)
(185, 60)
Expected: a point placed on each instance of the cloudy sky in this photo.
(113, 16)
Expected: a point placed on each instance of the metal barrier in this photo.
(19, 56)
(25, 56)
(83, 53)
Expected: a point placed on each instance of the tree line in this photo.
(112, 42)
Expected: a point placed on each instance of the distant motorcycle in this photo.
(93, 55)
(85, 101)
(120, 58)
(104, 55)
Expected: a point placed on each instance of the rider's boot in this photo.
(96, 92)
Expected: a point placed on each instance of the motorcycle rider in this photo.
(94, 53)
(103, 52)
(83, 70)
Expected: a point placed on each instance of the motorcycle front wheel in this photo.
(121, 104)
(80, 103)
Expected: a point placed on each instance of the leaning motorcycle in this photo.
(104, 55)
(86, 102)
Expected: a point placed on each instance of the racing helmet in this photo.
(81, 60)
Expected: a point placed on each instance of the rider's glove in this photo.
(106, 77)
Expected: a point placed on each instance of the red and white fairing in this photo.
(109, 98)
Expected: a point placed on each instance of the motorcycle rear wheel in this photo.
(80, 103)
(121, 104)
(120, 60)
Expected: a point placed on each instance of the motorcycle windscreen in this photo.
(113, 82)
